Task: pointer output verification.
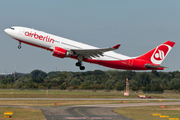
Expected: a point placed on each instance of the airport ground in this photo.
(13, 93)
(35, 104)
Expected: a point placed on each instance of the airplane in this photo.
(62, 48)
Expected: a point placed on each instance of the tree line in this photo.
(93, 80)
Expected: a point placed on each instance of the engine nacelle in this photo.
(60, 52)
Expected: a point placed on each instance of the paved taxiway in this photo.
(99, 111)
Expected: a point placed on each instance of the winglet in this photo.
(116, 46)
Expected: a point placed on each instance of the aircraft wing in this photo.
(89, 53)
(153, 66)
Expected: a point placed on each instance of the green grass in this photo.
(145, 113)
(76, 94)
(22, 114)
(57, 94)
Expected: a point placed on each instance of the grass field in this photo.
(145, 113)
(22, 114)
(76, 94)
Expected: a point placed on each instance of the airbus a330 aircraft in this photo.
(62, 47)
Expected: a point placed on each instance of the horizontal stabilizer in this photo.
(148, 66)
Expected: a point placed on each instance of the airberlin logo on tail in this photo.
(160, 53)
(40, 37)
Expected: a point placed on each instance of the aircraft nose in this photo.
(6, 30)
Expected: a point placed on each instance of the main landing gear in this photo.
(19, 46)
(79, 63)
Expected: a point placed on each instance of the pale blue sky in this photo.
(138, 25)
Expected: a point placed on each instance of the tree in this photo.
(6, 81)
(37, 80)
(38, 73)
(147, 88)
(32, 85)
(110, 84)
(49, 86)
(135, 87)
(143, 79)
(155, 73)
(156, 88)
(99, 72)
(75, 82)
(85, 85)
(175, 83)
(63, 87)
(119, 86)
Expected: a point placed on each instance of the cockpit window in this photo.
(12, 28)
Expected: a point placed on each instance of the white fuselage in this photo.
(49, 41)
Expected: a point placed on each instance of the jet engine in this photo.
(60, 52)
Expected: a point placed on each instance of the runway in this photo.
(92, 112)
(82, 112)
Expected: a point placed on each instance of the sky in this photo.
(138, 25)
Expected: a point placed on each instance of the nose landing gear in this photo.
(19, 46)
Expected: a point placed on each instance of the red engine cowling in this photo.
(60, 52)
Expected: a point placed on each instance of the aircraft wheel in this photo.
(82, 67)
(78, 64)
(19, 46)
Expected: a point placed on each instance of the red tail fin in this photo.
(157, 55)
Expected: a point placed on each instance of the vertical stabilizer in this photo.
(158, 54)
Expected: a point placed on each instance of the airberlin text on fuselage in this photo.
(40, 37)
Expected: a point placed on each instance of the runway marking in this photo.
(92, 118)
(75, 118)
(82, 114)
(101, 118)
